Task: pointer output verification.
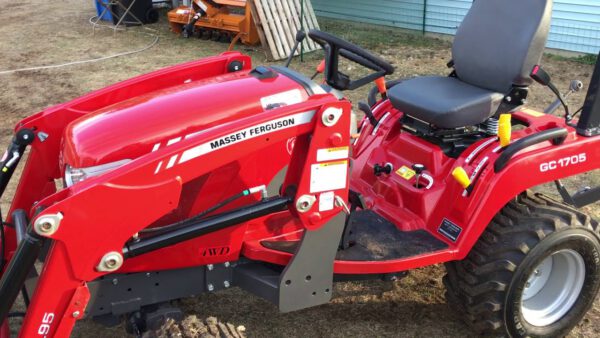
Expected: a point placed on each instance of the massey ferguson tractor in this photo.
(214, 174)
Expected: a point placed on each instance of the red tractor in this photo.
(212, 174)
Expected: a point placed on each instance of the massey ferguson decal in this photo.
(239, 136)
(252, 132)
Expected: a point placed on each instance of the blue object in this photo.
(107, 16)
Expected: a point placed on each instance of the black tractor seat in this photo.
(494, 51)
(445, 102)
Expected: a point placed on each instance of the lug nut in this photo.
(76, 314)
(211, 287)
(226, 284)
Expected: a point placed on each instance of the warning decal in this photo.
(406, 173)
(328, 176)
(331, 154)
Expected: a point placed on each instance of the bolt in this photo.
(226, 284)
(46, 226)
(210, 267)
(110, 262)
(76, 314)
(227, 264)
(536, 272)
(115, 281)
(211, 287)
(527, 284)
(148, 274)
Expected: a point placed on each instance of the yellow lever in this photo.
(460, 175)
(504, 129)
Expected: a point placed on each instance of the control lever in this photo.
(418, 168)
(368, 113)
(542, 77)
(300, 36)
(383, 169)
(575, 86)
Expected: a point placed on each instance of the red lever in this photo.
(321, 67)
(381, 86)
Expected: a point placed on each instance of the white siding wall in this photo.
(575, 23)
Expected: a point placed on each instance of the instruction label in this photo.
(406, 173)
(332, 154)
(450, 230)
(326, 201)
(328, 176)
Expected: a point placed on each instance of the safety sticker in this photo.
(328, 176)
(326, 201)
(450, 230)
(406, 173)
(532, 112)
(282, 99)
(332, 154)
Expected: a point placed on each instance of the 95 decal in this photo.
(563, 162)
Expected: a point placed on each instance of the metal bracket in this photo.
(331, 116)
(308, 279)
(581, 198)
(218, 277)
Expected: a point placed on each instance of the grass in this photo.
(586, 59)
(374, 36)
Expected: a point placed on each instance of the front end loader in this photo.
(214, 174)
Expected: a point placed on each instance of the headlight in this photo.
(76, 175)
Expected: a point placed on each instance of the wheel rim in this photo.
(553, 288)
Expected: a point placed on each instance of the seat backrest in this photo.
(500, 41)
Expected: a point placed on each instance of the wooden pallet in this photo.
(278, 21)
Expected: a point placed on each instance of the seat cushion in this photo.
(445, 102)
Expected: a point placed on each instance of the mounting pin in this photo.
(47, 225)
(112, 261)
(305, 203)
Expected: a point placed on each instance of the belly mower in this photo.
(214, 174)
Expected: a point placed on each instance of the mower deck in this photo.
(374, 238)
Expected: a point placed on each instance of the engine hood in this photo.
(137, 126)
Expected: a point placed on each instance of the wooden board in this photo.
(278, 21)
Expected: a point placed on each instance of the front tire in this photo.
(535, 271)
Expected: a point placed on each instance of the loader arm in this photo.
(97, 217)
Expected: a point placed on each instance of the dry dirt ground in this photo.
(37, 32)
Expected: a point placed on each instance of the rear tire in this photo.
(535, 271)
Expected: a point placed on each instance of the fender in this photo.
(536, 165)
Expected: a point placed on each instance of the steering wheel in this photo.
(334, 47)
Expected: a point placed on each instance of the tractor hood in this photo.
(132, 128)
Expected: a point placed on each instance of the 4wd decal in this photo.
(216, 251)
